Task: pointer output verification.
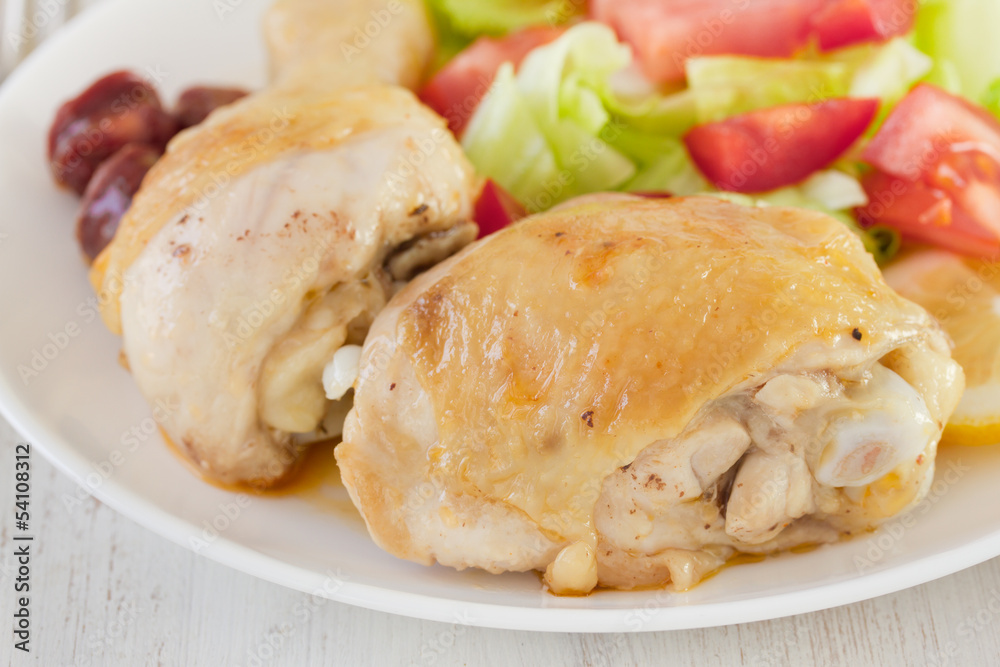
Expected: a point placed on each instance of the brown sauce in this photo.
(315, 479)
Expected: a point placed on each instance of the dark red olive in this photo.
(118, 109)
(109, 195)
(197, 102)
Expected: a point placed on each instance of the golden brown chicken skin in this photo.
(626, 392)
(269, 236)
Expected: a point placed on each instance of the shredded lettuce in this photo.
(504, 119)
(633, 98)
(544, 133)
(830, 192)
(961, 38)
(472, 18)
(834, 191)
(458, 22)
(561, 127)
(578, 117)
(887, 71)
(991, 98)
(663, 164)
(724, 86)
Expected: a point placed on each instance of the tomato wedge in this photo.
(771, 148)
(456, 90)
(844, 22)
(924, 214)
(945, 149)
(927, 124)
(496, 208)
(665, 33)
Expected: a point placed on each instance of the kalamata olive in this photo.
(109, 195)
(118, 109)
(197, 102)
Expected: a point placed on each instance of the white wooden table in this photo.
(106, 591)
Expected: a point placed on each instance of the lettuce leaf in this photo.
(961, 37)
(526, 158)
(631, 97)
(472, 18)
(663, 164)
(544, 134)
(570, 123)
(577, 118)
(991, 98)
(459, 22)
(886, 71)
(724, 86)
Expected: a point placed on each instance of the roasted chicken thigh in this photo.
(627, 392)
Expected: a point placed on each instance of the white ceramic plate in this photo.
(83, 412)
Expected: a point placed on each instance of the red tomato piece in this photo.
(665, 33)
(972, 181)
(938, 143)
(844, 22)
(926, 214)
(771, 148)
(927, 124)
(496, 208)
(456, 90)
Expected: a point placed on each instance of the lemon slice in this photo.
(964, 295)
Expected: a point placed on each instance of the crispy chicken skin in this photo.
(626, 392)
(258, 245)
